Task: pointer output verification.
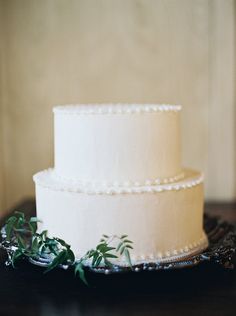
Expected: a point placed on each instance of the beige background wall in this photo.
(2, 187)
(173, 51)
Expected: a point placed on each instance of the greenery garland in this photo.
(29, 243)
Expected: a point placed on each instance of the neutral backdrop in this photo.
(161, 51)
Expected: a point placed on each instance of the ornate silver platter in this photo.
(221, 251)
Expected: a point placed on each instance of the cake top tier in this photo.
(118, 143)
(111, 108)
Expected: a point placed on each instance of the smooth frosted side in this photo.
(166, 223)
(117, 147)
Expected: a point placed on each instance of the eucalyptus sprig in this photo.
(21, 234)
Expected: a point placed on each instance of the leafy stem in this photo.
(22, 234)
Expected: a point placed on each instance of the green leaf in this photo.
(70, 255)
(109, 249)
(42, 248)
(129, 246)
(128, 241)
(123, 236)
(43, 234)
(110, 255)
(52, 248)
(98, 261)
(91, 253)
(21, 242)
(103, 247)
(20, 215)
(79, 268)
(108, 263)
(9, 226)
(122, 250)
(95, 256)
(20, 219)
(51, 242)
(127, 256)
(33, 227)
(11, 218)
(105, 236)
(59, 259)
(35, 245)
(119, 246)
(62, 242)
(16, 255)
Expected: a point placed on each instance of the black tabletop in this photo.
(202, 290)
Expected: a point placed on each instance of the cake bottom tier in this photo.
(164, 222)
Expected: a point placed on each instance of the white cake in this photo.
(118, 171)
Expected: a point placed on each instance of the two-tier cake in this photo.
(118, 171)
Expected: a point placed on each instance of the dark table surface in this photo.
(202, 290)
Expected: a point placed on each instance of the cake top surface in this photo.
(114, 108)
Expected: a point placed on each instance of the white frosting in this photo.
(127, 183)
(118, 148)
(117, 173)
(161, 224)
(48, 179)
(169, 256)
(109, 108)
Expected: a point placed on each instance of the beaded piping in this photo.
(40, 180)
(127, 183)
(118, 108)
(168, 256)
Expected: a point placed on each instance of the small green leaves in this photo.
(16, 255)
(9, 226)
(127, 256)
(104, 252)
(61, 258)
(101, 254)
(110, 255)
(21, 242)
(17, 224)
(35, 244)
(70, 256)
(33, 224)
(123, 248)
(79, 269)
(22, 234)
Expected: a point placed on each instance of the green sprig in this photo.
(22, 234)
